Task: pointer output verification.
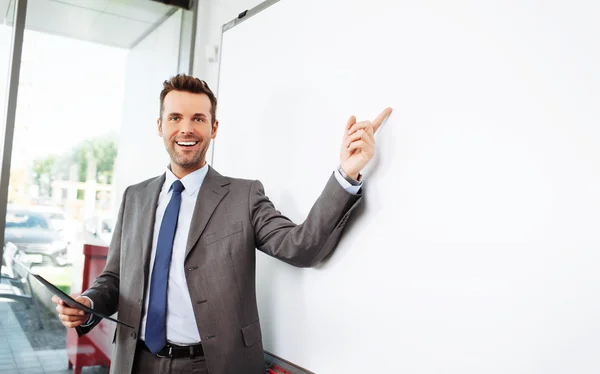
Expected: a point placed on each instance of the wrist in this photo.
(354, 178)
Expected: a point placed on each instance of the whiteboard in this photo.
(476, 249)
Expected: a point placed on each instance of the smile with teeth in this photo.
(187, 144)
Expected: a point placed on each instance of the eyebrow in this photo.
(181, 115)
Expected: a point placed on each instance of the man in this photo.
(181, 264)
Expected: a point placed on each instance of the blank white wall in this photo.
(477, 248)
(142, 154)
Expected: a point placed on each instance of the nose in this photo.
(186, 127)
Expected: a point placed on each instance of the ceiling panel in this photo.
(97, 5)
(56, 18)
(6, 11)
(146, 10)
(117, 23)
(119, 31)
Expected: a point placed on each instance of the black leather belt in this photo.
(176, 351)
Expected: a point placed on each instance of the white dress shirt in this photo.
(181, 323)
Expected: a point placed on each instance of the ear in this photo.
(159, 127)
(215, 128)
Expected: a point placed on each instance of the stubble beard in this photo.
(187, 162)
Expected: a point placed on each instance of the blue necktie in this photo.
(156, 319)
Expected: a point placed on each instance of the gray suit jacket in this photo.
(231, 219)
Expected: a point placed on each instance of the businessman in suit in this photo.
(181, 263)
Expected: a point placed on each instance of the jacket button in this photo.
(132, 335)
(140, 301)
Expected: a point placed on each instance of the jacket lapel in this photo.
(149, 204)
(211, 193)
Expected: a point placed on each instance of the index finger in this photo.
(349, 124)
(380, 118)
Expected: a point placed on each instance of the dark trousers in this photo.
(146, 363)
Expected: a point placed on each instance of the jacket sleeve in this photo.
(303, 245)
(104, 292)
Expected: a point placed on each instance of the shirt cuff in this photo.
(90, 320)
(346, 185)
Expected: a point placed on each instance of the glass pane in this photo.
(84, 68)
(6, 30)
(10, 334)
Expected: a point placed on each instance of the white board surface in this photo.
(477, 248)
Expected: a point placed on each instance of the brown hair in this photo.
(186, 83)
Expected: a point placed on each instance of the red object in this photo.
(280, 369)
(95, 347)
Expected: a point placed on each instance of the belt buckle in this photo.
(169, 355)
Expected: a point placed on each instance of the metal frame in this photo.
(187, 40)
(249, 13)
(293, 368)
(11, 110)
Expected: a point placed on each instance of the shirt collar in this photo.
(192, 182)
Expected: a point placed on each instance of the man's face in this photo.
(186, 129)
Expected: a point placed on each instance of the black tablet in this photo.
(71, 302)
